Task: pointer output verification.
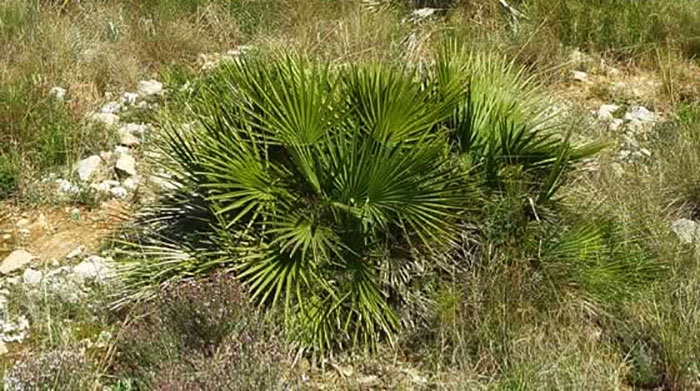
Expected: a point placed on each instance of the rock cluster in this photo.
(113, 174)
(66, 281)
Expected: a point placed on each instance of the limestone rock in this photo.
(31, 276)
(66, 187)
(615, 124)
(88, 168)
(423, 13)
(126, 165)
(687, 230)
(93, 268)
(579, 76)
(149, 87)
(118, 192)
(127, 138)
(641, 114)
(128, 98)
(605, 113)
(137, 129)
(15, 261)
(131, 183)
(111, 108)
(58, 93)
(107, 119)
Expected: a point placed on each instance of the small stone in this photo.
(31, 276)
(615, 124)
(423, 13)
(687, 230)
(605, 113)
(645, 152)
(241, 49)
(122, 150)
(3, 348)
(126, 164)
(137, 129)
(641, 114)
(76, 252)
(58, 93)
(106, 156)
(102, 187)
(94, 267)
(131, 183)
(128, 138)
(111, 108)
(129, 98)
(149, 87)
(107, 119)
(88, 167)
(579, 76)
(66, 187)
(118, 192)
(15, 261)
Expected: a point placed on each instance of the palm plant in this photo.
(322, 188)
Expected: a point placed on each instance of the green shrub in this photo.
(334, 190)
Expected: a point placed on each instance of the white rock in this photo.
(129, 98)
(15, 261)
(579, 76)
(58, 93)
(131, 183)
(645, 152)
(687, 230)
(66, 187)
(94, 267)
(126, 164)
(118, 192)
(137, 129)
(615, 124)
(106, 156)
(149, 87)
(76, 252)
(14, 331)
(31, 276)
(107, 119)
(605, 113)
(122, 150)
(3, 348)
(641, 114)
(127, 138)
(111, 108)
(101, 188)
(423, 13)
(88, 167)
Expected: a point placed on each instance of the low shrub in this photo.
(335, 190)
(200, 334)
